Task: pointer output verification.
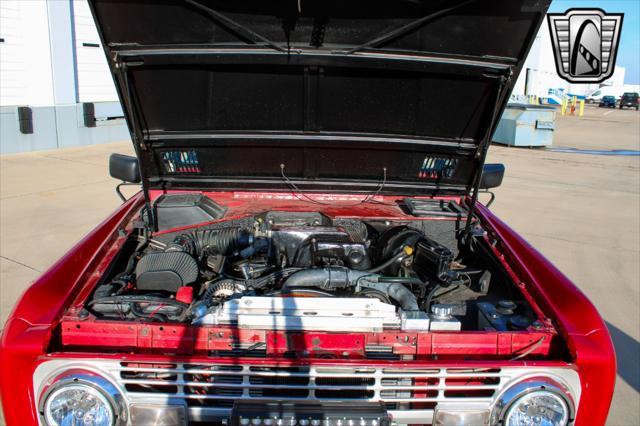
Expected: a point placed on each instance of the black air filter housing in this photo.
(166, 271)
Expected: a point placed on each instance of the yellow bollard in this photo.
(581, 113)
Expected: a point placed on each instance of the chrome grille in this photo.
(217, 383)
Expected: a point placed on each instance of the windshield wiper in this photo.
(242, 32)
(404, 29)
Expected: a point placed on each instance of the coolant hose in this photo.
(217, 241)
(332, 278)
(329, 278)
(401, 294)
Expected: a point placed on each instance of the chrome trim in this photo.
(532, 384)
(380, 385)
(75, 376)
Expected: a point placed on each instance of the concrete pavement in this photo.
(581, 211)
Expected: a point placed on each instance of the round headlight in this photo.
(78, 404)
(538, 408)
(80, 397)
(537, 401)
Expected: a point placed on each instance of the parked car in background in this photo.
(308, 247)
(629, 99)
(597, 96)
(594, 97)
(608, 102)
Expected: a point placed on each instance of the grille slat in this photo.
(143, 395)
(218, 384)
(328, 375)
(323, 387)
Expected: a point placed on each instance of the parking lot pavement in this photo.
(579, 210)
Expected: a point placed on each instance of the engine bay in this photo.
(305, 271)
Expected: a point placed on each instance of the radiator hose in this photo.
(332, 278)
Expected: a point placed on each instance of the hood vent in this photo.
(181, 162)
(436, 168)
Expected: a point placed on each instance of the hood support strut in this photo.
(139, 140)
(481, 155)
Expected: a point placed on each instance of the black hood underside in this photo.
(394, 96)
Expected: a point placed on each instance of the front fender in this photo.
(28, 329)
(576, 318)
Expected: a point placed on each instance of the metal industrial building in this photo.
(56, 89)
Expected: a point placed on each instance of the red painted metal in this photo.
(185, 339)
(346, 206)
(185, 295)
(46, 317)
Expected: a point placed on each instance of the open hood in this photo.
(389, 96)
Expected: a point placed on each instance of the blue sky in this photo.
(629, 49)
